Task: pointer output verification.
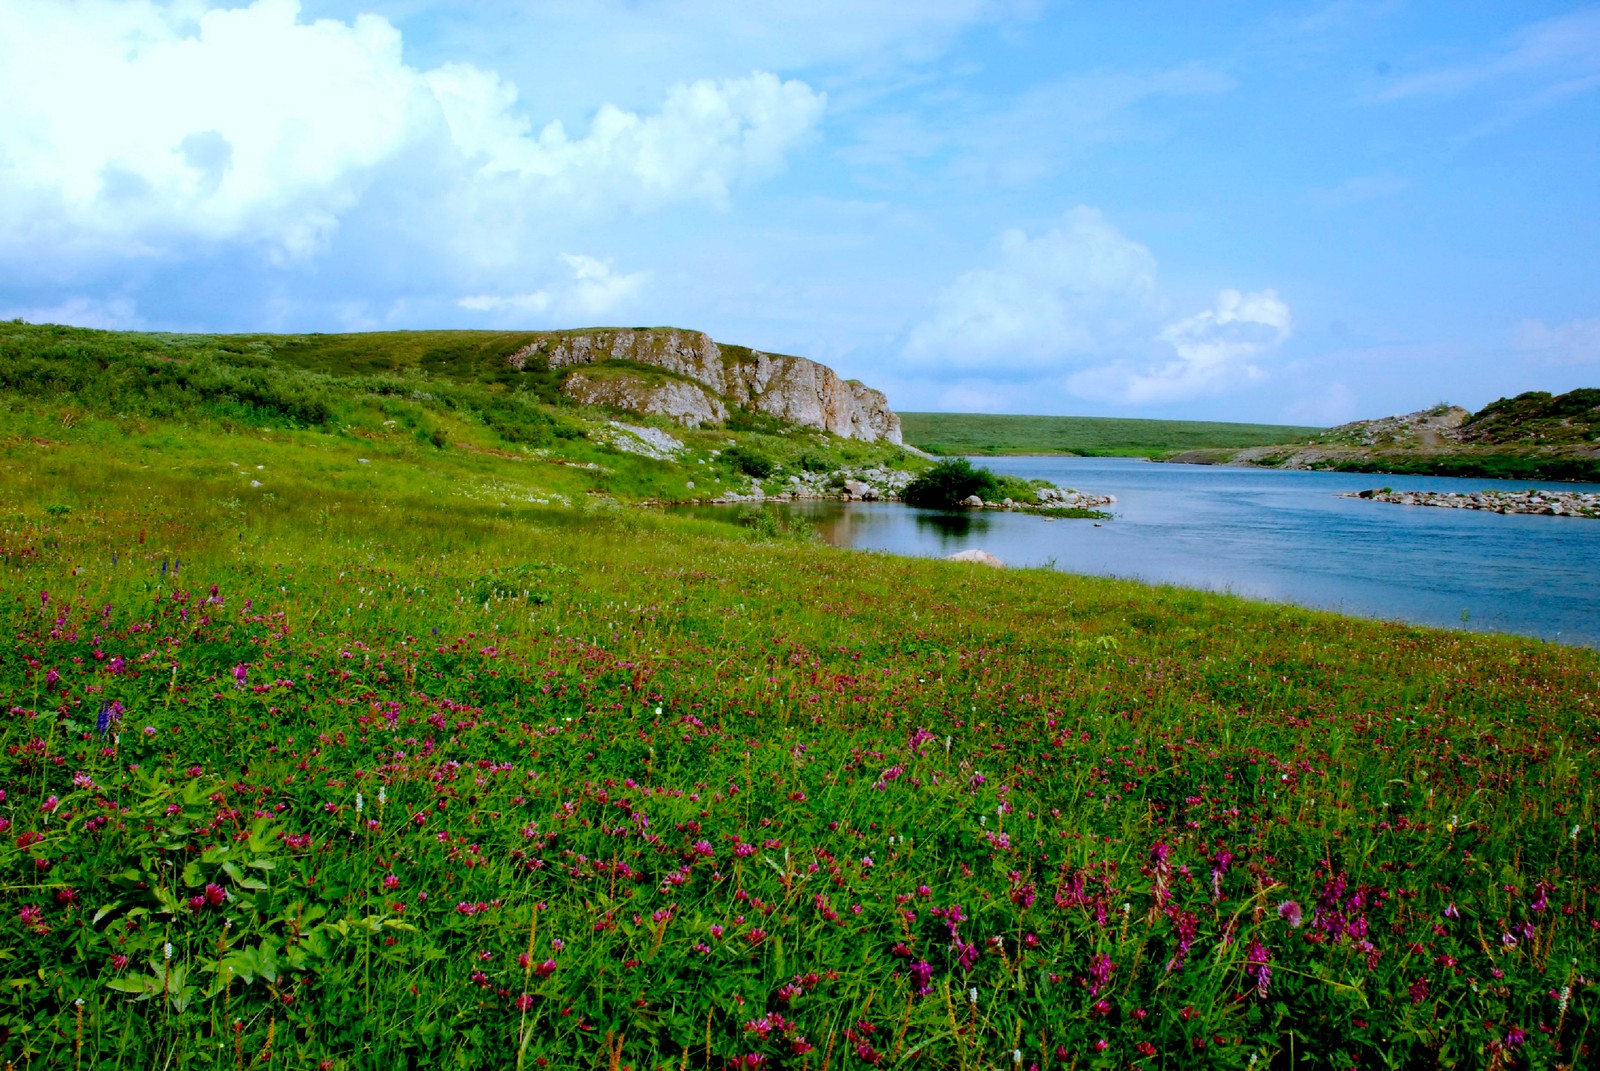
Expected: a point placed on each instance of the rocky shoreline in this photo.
(1543, 503)
(885, 485)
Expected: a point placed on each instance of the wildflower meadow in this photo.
(316, 764)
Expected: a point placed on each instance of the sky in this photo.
(1269, 212)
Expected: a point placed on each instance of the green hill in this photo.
(1534, 436)
(975, 434)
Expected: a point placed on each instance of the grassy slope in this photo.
(991, 435)
(412, 396)
(524, 688)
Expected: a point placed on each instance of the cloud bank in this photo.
(134, 129)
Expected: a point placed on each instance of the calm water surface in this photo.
(1283, 536)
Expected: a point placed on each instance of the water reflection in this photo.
(948, 526)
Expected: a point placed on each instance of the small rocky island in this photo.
(1546, 503)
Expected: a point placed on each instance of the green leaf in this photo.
(267, 960)
(140, 985)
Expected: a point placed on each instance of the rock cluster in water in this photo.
(1067, 498)
(1045, 500)
(1547, 503)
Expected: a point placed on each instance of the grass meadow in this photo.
(995, 435)
(449, 758)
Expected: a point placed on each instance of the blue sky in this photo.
(1303, 212)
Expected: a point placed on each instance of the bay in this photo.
(1277, 535)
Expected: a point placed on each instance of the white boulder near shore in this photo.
(979, 557)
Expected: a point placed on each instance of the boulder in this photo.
(973, 501)
(978, 557)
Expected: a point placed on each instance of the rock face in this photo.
(790, 388)
(634, 439)
(688, 403)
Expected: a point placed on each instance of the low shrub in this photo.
(750, 461)
(949, 483)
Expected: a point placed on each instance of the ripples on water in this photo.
(1283, 536)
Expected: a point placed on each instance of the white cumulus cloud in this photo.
(592, 289)
(1072, 290)
(129, 127)
(1214, 351)
(1079, 308)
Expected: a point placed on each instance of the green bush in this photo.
(948, 483)
(750, 461)
(817, 461)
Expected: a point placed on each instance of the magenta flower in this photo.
(1257, 956)
(1100, 968)
(1290, 912)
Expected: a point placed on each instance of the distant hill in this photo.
(1536, 435)
(984, 434)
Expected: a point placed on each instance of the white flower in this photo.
(359, 803)
(166, 950)
(972, 995)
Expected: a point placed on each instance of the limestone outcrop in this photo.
(790, 388)
(689, 403)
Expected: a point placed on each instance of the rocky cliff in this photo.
(623, 368)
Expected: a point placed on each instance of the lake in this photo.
(1278, 535)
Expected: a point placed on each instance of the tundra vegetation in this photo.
(329, 747)
(992, 435)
